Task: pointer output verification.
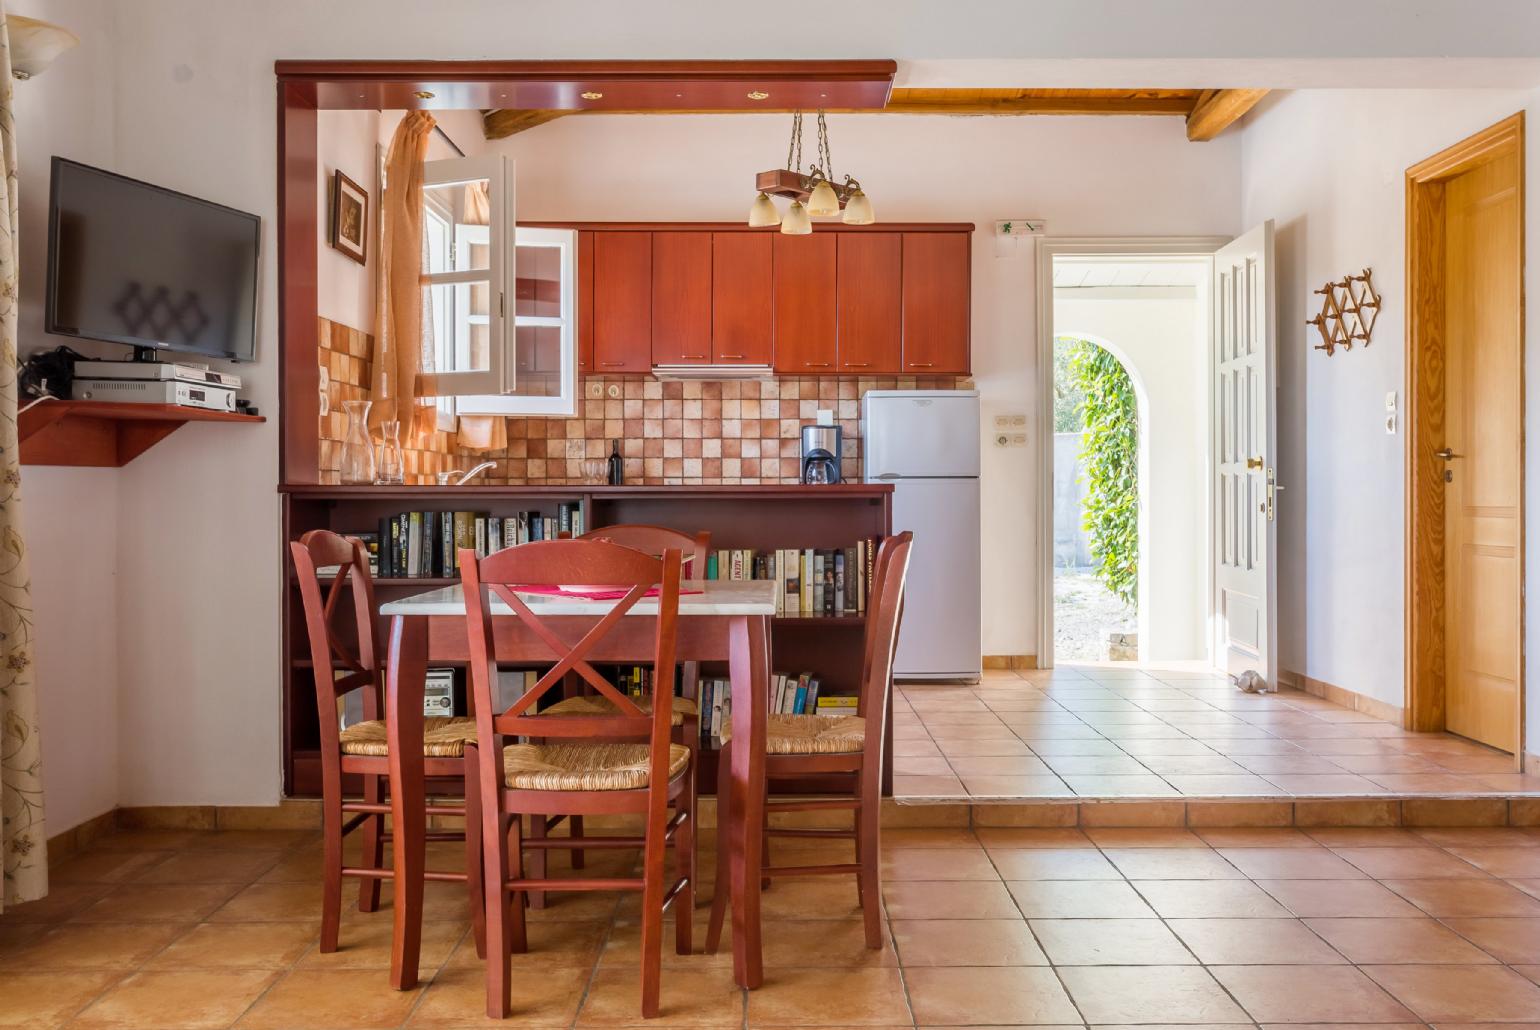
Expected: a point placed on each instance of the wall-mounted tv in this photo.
(151, 268)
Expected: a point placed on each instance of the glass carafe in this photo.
(391, 467)
(356, 459)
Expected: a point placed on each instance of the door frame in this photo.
(1048, 248)
(1424, 675)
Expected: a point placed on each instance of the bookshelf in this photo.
(760, 518)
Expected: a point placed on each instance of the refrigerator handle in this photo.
(888, 475)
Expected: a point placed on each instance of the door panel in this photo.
(622, 299)
(740, 298)
(804, 303)
(870, 294)
(681, 298)
(1245, 546)
(937, 288)
(1484, 430)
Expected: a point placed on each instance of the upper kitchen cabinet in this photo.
(740, 298)
(870, 291)
(622, 302)
(936, 301)
(681, 298)
(805, 308)
(585, 302)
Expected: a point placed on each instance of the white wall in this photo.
(1329, 168)
(1156, 336)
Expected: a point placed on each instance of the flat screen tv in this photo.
(136, 264)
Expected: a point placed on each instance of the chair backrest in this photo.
(590, 562)
(359, 652)
(884, 612)
(654, 540)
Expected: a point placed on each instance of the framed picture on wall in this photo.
(350, 218)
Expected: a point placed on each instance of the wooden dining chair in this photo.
(653, 540)
(344, 659)
(799, 746)
(597, 766)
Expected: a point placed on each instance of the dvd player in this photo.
(164, 371)
(149, 391)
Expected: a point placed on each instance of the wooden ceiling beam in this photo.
(1217, 109)
(503, 123)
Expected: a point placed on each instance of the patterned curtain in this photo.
(22, 837)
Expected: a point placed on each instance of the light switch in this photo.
(1390, 401)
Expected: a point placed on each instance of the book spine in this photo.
(852, 581)
(429, 543)
(403, 537)
(384, 536)
(839, 582)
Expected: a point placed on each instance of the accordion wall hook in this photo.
(1349, 309)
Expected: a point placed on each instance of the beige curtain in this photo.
(480, 432)
(23, 839)
(398, 322)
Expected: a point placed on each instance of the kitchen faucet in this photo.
(465, 477)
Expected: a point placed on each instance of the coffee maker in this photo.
(820, 454)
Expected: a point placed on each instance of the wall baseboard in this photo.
(1010, 661)
(1371, 706)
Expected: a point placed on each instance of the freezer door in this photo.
(921, 434)
(940, 636)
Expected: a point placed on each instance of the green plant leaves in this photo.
(1109, 454)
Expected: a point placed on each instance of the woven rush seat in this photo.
(586, 766)
(442, 737)
(809, 734)
(598, 704)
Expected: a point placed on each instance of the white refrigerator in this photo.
(926, 443)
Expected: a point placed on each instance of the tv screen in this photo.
(144, 266)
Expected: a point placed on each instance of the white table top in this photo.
(716, 597)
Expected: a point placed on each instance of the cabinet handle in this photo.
(733, 357)
(612, 364)
(694, 357)
(858, 364)
(921, 364)
(815, 364)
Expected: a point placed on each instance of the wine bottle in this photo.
(617, 467)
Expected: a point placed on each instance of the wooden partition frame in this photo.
(1425, 559)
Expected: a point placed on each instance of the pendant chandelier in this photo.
(813, 194)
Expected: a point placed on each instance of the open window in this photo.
(499, 302)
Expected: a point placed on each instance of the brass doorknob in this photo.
(1253, 463)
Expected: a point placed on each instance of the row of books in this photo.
(789, 695)
(426, 544)
(813, 581)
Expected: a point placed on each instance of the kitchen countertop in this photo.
(424, 490)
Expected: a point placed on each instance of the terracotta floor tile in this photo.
(1087, 746)
(1507, 862)
(998, 765)
(927, 786)
(1479, 836)
(1145, 786)
(1310, 994)
(1311, 785)
(238, 946)
(1515, 941)
(954, 899)
(1397, 941)
(252, 840)
(1290, 864)
(689, 998)
(343, 998)
(1221, 786)
(1258, 837)
(106, 866)
(1143, 837)
(1077, 899)
(822, 897)
(457, 997)
(1047, 786)
(286, 902)
(1290, 765)
(1465, 897)
(1110, 942)
(1096, 765)
(1054, 864)
(1306, 898)
(1460, 993)
(1005, 838)
(966, 942)
(985, 747)
(1365, 837)
(804, 997)
(178, 999)
(1019, 996)
(1128, 994)
(564, 944)
(1251, 942)
(1210, 899)
(153, 903)
(38, 1001)
(228, 866)
(827, 943)
(120, 946)
(934, 864)
(898, 838)
(365, 944)
(147, 840)
(1172, 864)
(904, 765)
(63, 900)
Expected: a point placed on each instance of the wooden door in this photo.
(681, 298)
(937, 286)
(805, 303)
(741, 306)
(1246, 540)
(1483, 452)
(622, 300)
(870, 302)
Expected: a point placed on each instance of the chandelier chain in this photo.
(794, 147)
(824, 157)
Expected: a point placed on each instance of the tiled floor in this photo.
(1099, 732)
(1391, 927)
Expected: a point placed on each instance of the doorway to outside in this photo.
(1130, 457)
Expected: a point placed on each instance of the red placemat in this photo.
(588, 593)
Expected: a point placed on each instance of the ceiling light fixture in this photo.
(813, 194)
(591, 95)
(35, 44)
(758, 94)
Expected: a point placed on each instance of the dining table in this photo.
(719, 621)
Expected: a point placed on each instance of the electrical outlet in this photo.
(1018, 439)
(594, 391)
(1002, 440)
(1002, 421)
(1390, 424)
(613, 391)
(1019, 420)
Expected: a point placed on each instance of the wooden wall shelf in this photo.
(104, 434)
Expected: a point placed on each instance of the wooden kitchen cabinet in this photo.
(805, 304)
(870, 290)
(936, 298)
(585, 302)
(622, 300)
(741, 306)
(681, 298)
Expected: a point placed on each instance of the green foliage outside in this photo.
(1109, 455)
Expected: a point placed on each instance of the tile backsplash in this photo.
(725, 433)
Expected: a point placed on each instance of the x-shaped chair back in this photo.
(330, 647)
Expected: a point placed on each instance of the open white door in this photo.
(1246, 541)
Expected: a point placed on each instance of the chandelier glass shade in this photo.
(813, 193)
